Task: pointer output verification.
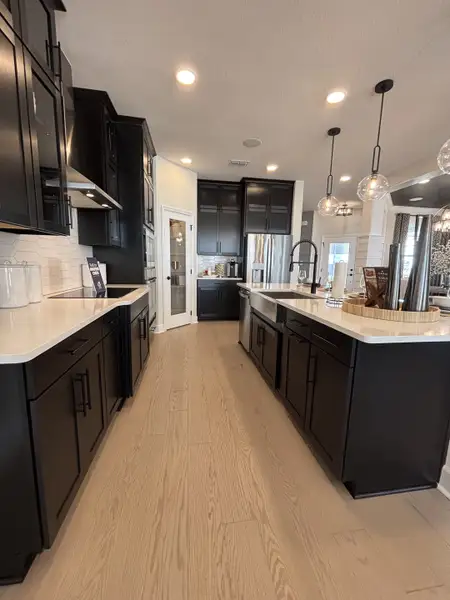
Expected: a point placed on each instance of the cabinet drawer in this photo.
(47, 368)
(111, 321)
(334, 342)
(137, 307)
(298, 324)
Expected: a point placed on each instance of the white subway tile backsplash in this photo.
(60, 257)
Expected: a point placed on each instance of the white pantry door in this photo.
(177, 267)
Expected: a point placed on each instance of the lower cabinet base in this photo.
(15, 571)
(358, 489)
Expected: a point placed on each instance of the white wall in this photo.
(175, 187)
(60, 257)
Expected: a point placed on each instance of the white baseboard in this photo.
(160, 329)
(444, 484)
(194, 320)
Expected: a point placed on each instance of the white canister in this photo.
(86, 275)
(13, 286)
(34, 283)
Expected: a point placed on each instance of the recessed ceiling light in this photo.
(186, 161)
(186, 77)
(90, 195)
(424, 181)
(335, 97)
(252, 142)
(271, 168)
(418, 199)
(106, 206)
(345, 178)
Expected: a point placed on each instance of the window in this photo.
(409, 245)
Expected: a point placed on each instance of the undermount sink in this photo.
(284, 295)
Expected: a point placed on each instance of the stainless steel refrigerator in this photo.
(267, 258)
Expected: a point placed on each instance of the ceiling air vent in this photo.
(238, 163)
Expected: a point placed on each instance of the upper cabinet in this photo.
(32, 172)
(96, 157)
(48, 147)
(95, 137)
(219, 218)
(34, 22)
(268, 206)
(18, 201)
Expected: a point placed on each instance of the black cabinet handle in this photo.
(263, 336)
(142, 330)
(69, 221)
(80, 379)
(220, 247)
(58, 73)
(78, 347)
(87, 383)
(168, 277)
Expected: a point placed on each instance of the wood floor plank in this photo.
(167, 564)
(203, 489)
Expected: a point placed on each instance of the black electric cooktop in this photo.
(91, 293)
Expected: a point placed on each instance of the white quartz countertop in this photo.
(305, 290)
(27, 332)
(371, 331)
(219, 278)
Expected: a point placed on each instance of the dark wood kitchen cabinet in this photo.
(39, 32)
(91, 417)
(268, 206)
(329, 404)
(219, 220)
(264, 348)
(96, 139)
(48, 137)
(18, 196)
(10, 11)
(55, 437)
(217, 300)
(112, 357)
(138, 343)
(294, 372)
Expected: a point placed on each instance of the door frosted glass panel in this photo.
(178, 266)
(339, 252)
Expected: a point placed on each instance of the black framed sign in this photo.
(96, 275)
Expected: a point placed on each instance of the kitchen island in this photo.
(372, 397)
(66, 365)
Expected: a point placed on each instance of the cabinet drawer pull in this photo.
(322, 339)
(80, 345)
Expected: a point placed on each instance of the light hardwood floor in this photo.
(204, 490)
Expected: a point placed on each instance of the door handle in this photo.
(87, 383)
(79, 379)
(168, 277)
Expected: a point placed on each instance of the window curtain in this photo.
(401, 229)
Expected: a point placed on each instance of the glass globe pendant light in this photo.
(328, 205)
(375, 185)
(443, 158)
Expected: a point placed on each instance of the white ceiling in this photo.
(264, 69)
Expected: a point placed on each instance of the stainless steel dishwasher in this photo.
(244, 318)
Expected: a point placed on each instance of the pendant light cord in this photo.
(376, 155)
(330, 176)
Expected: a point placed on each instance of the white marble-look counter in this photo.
(215, 277)
(27, 332)
(371, 331)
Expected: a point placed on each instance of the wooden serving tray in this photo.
(355, 306)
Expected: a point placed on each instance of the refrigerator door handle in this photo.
(270, 258)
